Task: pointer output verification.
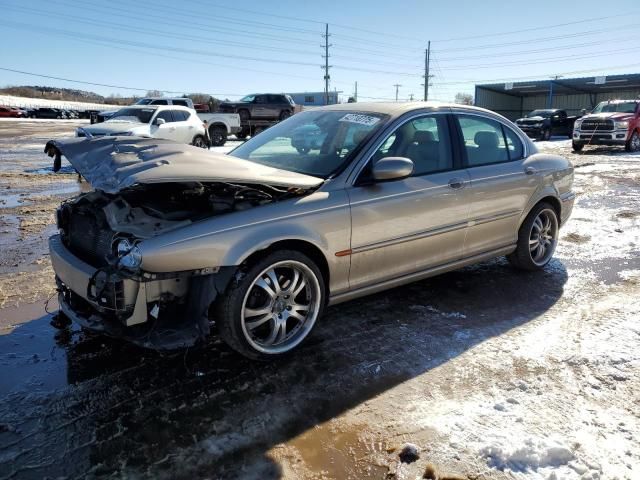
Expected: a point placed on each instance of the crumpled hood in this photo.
(112, 164)
(111, 127)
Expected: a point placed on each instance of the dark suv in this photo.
(47, 113)
(263, 106)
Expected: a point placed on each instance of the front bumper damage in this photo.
(158, 311)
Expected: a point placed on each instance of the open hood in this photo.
(112, 164)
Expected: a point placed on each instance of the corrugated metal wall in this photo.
(515, 107)
(502, 103)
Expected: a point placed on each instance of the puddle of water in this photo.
(339, 453)
(33, 357)
(13, 200)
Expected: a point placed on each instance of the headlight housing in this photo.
(577, 124)
(129, 255)
(622, 125)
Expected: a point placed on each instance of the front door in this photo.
(167, 130)
(501, 186)
(406, 226)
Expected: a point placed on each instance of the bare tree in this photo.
(154, 93)
(464, 98)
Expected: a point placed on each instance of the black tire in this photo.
(245, 116)
(230, 307)
(200, 142)
(577, 147)
(242, 135)
(218, 135)
(284, 114)
(545, 134)
(303, 150)
(522, 257)
(633, 145)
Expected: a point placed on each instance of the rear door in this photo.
(500, 186)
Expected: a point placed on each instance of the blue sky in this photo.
(233, 48)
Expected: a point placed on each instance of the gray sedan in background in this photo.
(175, 239)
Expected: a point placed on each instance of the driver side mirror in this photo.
(160, 121)
(392, 168)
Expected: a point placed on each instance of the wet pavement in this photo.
(464, 365)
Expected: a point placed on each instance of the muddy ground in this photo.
(490, 372)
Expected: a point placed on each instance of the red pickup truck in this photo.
(615, 122)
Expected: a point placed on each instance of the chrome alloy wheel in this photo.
(635, 142)
(280, 307)
(543, 237)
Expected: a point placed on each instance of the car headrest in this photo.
(486, 139)
(359, 136)
(423, 136)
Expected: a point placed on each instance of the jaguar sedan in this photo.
(174, 240)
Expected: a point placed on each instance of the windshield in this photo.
(539, 113)
(248, 98)
(621, 107)
(142, 115)
(317, 143)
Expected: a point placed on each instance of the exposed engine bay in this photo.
(91, 223)
(160, 311)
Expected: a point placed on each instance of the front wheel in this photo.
(633, 145)
(284, 114)
(273, 306)
(537, 239)
(545, 134)
(577, 147)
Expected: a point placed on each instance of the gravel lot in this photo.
(491, 373)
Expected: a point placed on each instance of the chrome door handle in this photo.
(530, 170)
(456, 183)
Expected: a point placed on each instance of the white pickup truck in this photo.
(220, 125)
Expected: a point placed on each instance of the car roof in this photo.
(159, 107)
(396, 109)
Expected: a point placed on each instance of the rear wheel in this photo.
(537, 239)
(218, 136)
(633, 145)
(244, 116)
(273, 307)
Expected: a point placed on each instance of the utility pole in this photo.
(427, 59)
(326, 65)
(397, 85)
(355, 93)
(411, 97)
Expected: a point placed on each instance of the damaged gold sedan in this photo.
(326, 206)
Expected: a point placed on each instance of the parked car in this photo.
(261, 107)
(615, 123)
(176, 123)
(261, 240)
(544, 123)
(44, 112)
(10, 112)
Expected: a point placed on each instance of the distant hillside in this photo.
(72, 95)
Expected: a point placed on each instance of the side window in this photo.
(483, 140)
(180, 102)
(425, 141)
(514, 144)
(165, 115)
(179, 115)
(159, 102)
(261, 99)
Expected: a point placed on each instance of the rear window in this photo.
(180, 102)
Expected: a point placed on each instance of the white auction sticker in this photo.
(367, 120)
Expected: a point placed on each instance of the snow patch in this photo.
(532, 455)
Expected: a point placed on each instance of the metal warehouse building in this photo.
(314, 98)
(514, 100)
